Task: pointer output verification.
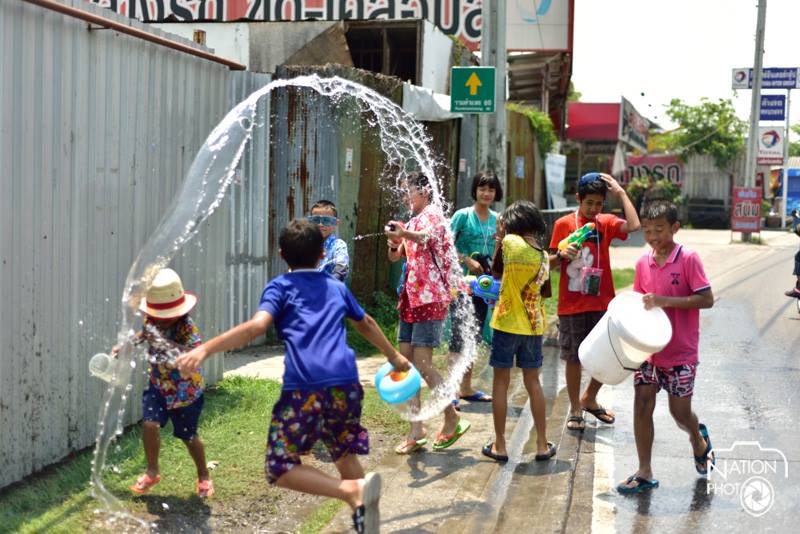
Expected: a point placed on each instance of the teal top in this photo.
(472, 235)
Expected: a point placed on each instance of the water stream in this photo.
(406, 147)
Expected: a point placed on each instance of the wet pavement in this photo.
(746, 393)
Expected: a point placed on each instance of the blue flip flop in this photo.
(642, 484)
(703, 459)
(478, 396)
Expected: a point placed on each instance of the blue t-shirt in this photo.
(308, 308)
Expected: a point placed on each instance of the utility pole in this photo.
(493, 54)
(755, 104)
(785, 173)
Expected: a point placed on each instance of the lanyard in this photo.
(596, 235)
(484, 231)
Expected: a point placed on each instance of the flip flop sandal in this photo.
(599, 412)
(456, 405)
(410, 446)
(487, 451)
(144, 483)
(551, 451)
(205, 488)
(580, 423)
(478, 396)
(444, 441)
(703, 459)
(642, 484)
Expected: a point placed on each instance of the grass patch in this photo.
(384, 311)
(233, 428)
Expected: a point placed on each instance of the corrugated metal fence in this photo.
(97, 131)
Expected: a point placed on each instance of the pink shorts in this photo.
(678, 381)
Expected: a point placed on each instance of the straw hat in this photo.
(166, 298)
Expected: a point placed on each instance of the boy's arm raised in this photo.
(236, 337)
(370, 331)
(631, 223)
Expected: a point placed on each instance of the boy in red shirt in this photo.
(586, 285)
(671, 277)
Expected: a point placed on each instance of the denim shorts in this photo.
(527, 349)
(422, 334)
(184, 420)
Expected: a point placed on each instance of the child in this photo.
(671, 277)
(518, 322)
(474, 230)
(321, 396)
(424, 301)
(580, 308)
(795, 291)
(336, 261)
(169, 328)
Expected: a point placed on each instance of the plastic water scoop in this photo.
(102, 366)
(624, 338)
(395, 387)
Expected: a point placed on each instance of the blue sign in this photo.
(773, 108)
(771, 78)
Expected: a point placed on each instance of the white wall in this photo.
(436, 54)
(230, 40)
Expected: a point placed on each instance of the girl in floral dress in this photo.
(424, 300)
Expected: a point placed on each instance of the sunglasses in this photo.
(322, 220)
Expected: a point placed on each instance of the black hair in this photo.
(658, 209)
(523, 218)
(301, 244)
(489, 179)
(325, 204)
(591, 187)
(421, 182)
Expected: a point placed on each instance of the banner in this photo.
(542, 25)
(746, 209)
(773, 108)
(633, 127)
(770, 145)
(658, 167)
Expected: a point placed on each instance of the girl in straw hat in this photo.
(168, 330)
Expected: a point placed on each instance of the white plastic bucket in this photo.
(624, 338)
(102, 366)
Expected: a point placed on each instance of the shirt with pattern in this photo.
(177, 391)
(520, 308)
(337, 260)
(428, 263)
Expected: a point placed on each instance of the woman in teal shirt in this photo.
(474, 230)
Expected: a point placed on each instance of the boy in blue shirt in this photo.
(336, 261)
(321, 395)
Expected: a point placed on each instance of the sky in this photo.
(678, 49)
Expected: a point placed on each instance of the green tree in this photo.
(572, 94)
(708, 128)
(794, 146)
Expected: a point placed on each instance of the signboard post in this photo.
(472, 89)
(746, 210)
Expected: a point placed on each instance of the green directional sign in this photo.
(472, 89)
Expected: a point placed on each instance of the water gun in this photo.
(484, 286)
(578, 236)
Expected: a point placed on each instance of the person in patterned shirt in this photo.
(518, 322)
(424, 300)
(169, 330)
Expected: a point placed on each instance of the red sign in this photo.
(746, 209)
(657, 167)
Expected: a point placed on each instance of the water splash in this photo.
(406, 147)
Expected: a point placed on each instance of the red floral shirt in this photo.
(426, 288)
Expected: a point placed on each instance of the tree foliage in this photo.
(794, 146)
(541, 124)
(708, 128)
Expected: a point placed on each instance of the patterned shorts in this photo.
(678, 381)
(301, 418)
(184, 420)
